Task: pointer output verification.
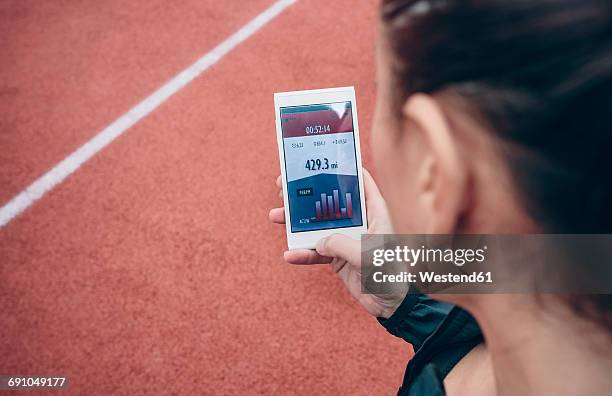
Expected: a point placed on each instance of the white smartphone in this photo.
(320, 159)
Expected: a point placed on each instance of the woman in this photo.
(492, 117)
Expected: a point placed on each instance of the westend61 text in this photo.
(432, 277)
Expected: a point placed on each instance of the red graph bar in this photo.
(343, 210)
(330, 206)
(318, 207)
(337, 204)
(324, 204)
(349, 206)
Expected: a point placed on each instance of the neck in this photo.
(544, 353)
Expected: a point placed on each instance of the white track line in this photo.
(71, 163)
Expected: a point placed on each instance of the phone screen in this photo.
(321, 166)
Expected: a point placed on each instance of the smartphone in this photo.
(320, 160)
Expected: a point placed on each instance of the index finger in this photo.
(305, 257)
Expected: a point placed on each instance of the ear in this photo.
(442, 175)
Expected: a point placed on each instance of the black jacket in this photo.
(441, 335)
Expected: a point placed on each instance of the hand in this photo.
(344, 253)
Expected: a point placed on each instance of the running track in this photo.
(152, 269)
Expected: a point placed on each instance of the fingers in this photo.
(279, 184)
(277, 215)
(340, 246)
(302, 257)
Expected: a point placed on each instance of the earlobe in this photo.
(443, 174)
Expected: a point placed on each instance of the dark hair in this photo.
(540, 73)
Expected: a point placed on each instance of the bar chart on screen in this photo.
(324, 201)
(328, 208)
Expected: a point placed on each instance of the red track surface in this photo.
(153, 268)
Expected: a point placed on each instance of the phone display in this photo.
(321, 166)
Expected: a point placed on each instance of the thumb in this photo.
(340, 246)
